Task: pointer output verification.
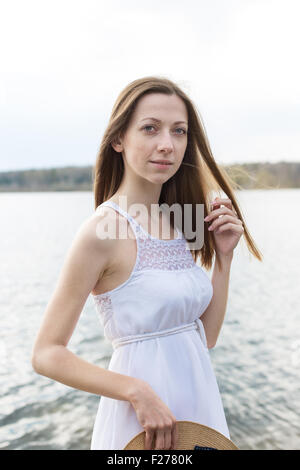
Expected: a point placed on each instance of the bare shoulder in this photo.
(85, 263)
(95, 228)
(102, 231)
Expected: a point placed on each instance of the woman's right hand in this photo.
(155, 417)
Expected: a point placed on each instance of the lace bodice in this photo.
(164, 276)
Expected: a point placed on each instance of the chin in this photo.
(159, 179)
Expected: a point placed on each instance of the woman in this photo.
(148, 289)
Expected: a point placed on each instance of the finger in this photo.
(225, 201)
(221, 211)
(160, 440)
(148, 439)
(222, 220)
(218, 202)
(168, 439)
(214, 206)
(226, 207)
(230, 226)
(174, 437)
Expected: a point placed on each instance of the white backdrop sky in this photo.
(63, 64)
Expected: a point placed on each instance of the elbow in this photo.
(36, 362)
(44, 360)
(210, 343)
(36, 354)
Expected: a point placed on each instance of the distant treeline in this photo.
(247, 176)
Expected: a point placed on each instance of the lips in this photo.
(161, 162)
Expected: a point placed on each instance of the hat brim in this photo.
(191, 435)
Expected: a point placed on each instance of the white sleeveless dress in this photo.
(153, 322)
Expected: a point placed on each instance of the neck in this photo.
(145, 194)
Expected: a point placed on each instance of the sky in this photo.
(63, 64)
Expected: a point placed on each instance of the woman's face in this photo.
(157, 131)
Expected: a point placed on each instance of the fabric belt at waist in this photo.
(195, 325)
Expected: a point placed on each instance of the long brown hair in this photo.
(195, 180)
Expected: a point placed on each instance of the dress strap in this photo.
(133, 223)
(139, 230)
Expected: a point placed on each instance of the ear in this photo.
(117, 145)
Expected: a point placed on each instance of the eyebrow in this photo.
(158, 120)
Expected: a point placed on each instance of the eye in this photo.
(147, 127)
(179, 128)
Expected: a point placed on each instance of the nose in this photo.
(165, 144)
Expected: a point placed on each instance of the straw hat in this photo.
(191, 436)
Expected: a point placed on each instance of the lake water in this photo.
(256, 358)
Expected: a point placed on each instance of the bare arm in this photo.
(85, 261)
(213, 317)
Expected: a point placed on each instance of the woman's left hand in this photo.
(227, 229)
